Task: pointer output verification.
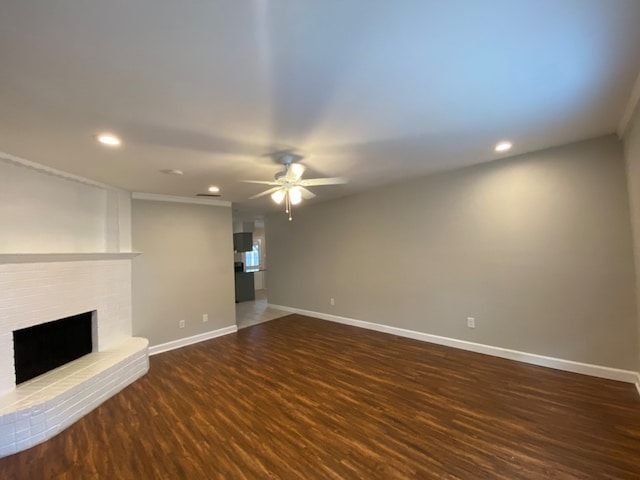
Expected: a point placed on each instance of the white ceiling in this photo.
(374, 90)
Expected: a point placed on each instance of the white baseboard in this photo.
(628, 376)
(183, 342)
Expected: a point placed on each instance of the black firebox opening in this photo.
(44, 347)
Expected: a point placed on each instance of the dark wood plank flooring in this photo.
(300, 398)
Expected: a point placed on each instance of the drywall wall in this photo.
(43, 211)
(259, 278)
(537, 248)
(49, 214)
(185, 270)
(632, 157)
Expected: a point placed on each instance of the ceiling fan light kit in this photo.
(278, 196)
(289, 185)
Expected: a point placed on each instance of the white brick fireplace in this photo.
(65, 249)
(39, 288)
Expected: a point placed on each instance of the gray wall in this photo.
(537, 248)
(632, 154)
(185, 270)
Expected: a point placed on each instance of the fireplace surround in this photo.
(37, 288)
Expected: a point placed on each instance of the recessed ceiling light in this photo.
(108, 139)
(214, 189)
(503, 146)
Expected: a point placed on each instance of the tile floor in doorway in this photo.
(257, 311)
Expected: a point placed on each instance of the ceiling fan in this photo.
(289, 185)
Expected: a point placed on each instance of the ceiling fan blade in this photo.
(306, 194)
(294, 172)
(260, 182)
(315, 182)
(266, 192)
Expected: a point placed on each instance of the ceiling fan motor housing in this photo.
(287, 159)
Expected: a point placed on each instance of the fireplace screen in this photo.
(44, 347)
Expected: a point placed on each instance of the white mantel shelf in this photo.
(64, 257)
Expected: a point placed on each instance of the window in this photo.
(252, 258)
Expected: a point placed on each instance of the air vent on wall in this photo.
(207, 194)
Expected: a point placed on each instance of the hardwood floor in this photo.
(300, 398)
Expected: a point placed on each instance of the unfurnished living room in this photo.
(305, 239)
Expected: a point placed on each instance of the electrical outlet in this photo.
(332, 301)
(205, 317)
(181, 324)
(471, 322)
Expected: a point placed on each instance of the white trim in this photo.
(532, 358)
(638, 383)
(156, 197)
(21, 162)
(183, 342)
(630, 108)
